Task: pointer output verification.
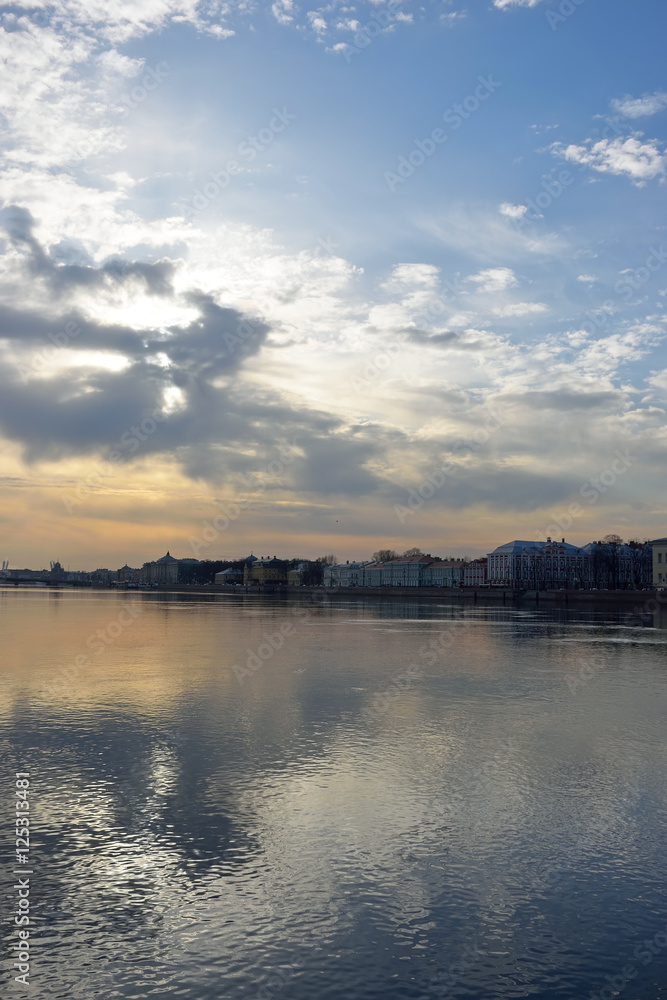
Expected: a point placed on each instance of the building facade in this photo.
(475, 573)
(659, 563)
(261, 571)
(550, 565)
(348, 574)
(443, 573)
(163, 572)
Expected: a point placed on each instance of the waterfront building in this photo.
(659, 563)
(163, 571)
(261, 571)
(373, 574)
(614, 566)
(525, 565)
(128, 574)
(475, 573)
(229, 576)
(347, 574)
(405, 572)
(443, 573)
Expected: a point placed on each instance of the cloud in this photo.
(628, 157)
(640, 107)
(512, 211)
(19, 223)
(494, 279)
(520, 309)
(508, 4)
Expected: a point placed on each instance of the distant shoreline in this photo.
(481, 595)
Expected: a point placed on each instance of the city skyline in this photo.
(254, 274)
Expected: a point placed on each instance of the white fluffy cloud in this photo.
(512, 211)
(640, 107)
(494, 279)
(520, 309)
(640, 161)
(507, 4)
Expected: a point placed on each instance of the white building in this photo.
(405, 572)
(373, 574)
(659, 546)
(522, 565)
(348, 574)
(443, 573)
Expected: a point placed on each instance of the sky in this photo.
(298, 280)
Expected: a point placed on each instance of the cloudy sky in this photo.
(299, 279)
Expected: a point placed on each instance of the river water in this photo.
(261, 798)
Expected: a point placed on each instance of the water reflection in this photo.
(490, 832)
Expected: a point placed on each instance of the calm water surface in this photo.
(248, 798)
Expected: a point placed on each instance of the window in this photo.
(659, 557)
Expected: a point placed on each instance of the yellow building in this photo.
(260, 571)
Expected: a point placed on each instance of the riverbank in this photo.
(482, 595)
(636, 599)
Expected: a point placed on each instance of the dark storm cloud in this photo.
(568, 401)
(338, 465)
(447, 339)
(218, 426)
(492, 485)
(19, 225)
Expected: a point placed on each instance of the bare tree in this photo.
(384, 555)
(412, 552)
